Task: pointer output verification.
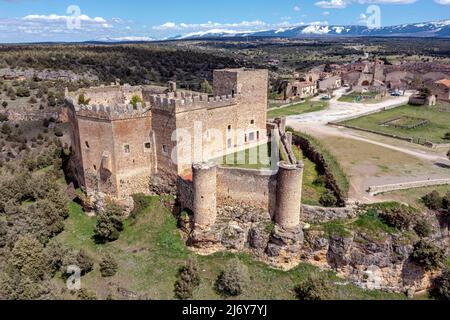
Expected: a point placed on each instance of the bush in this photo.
(397, 215)
(446, 201)
(108, 266)
(109, 224)
(4, 104)
(441, 286)
(188, 280)
(141, 202)
(85, 262)
(447, 136)
(433, 200)
(423, 228)
(6, 129)
(22, 92)
(328, 199)
(3, 117)
(315, 288)
(234, 280)
(58, 132)
(428, 255)
(84, 294)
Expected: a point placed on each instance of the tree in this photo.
(315, 288)
(109, 224)
(447, 136)
(22, 92)
(328, 199)
(441, 286)
(29, 258)
(428, 255)
(4, 104)
(108, 266)
(206, 87)
(398, 216)
(423, 228)
(85, 262)
(433, 200)
(135, 100)
(82, 100)
(6, 129)
(188, 280)
(234, 280)
(3, 117)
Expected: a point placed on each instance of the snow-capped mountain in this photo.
(426, 29)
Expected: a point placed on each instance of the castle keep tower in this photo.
(289, 194)
(205, 185)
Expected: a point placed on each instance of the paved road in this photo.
(315, 123)
(339, 111)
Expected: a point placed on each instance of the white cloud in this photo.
(297, 8)
(210, 25)
(326, 13)
(443, 2)
(56, 18)
(341, 4)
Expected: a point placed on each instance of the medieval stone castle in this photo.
(126, 138)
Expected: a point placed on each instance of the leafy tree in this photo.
(234, 280)
(22, 92)
(441, 286)
(447, 136)
(4, 104)
(3, 117)
(135, 100)
(428, 255)
(423, 228)
(328, 199)
(315, 288)
(433, 200)
(398, 216)
(82, 100)
(108, 266)
(85, 262)
(206, 87)
(6, 129)
(109, 224)
(188, 280)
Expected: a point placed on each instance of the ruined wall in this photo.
(255, 188)
(134, 156)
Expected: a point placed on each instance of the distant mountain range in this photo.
(426, 29)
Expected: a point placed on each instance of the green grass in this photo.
(331, 162)
(150, 250)
(434, 131)
(299, 108)
(313, 187)
(253, 158)
(354, 96)
(336, 228)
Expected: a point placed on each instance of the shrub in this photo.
(234, 280)
(108, 266)
(84, 294)
(3, 117)
(4, 104)
(446, 201)
(328, 199)
(32, 100)
(22, 92)
(423, 228)
(397, 215)
(135, 100)
(447, 136)
(428, 255)
(85, 262)
(109, 224)
(82, 100)
(6, 129)
(441, 286)
(141, 201)
(188, 280)
(315, 288)
(58, 132)
(433, 200)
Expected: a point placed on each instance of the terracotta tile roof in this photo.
(445, 82)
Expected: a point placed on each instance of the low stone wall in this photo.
(374, 190)
(256, 188)
(371, 131)
(314, 214)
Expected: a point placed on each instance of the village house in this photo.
(301, 89)
(331, 83)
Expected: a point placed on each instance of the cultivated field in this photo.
(420, 123)
(299, 108)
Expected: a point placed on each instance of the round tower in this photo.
(204, 182)
(289, 194)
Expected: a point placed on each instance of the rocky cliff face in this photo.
(372, 259)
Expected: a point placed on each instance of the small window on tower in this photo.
(147, 146)
(229, 128)
(251, 136)
(126, 148)
(165, 150)
(87, 144)
(252, 122)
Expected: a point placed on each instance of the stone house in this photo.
(301, 89)
(441, 89)
(331, 83)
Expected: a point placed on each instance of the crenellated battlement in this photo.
(117, 112)
(180, 101)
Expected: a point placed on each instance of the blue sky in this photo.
(56, 20)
